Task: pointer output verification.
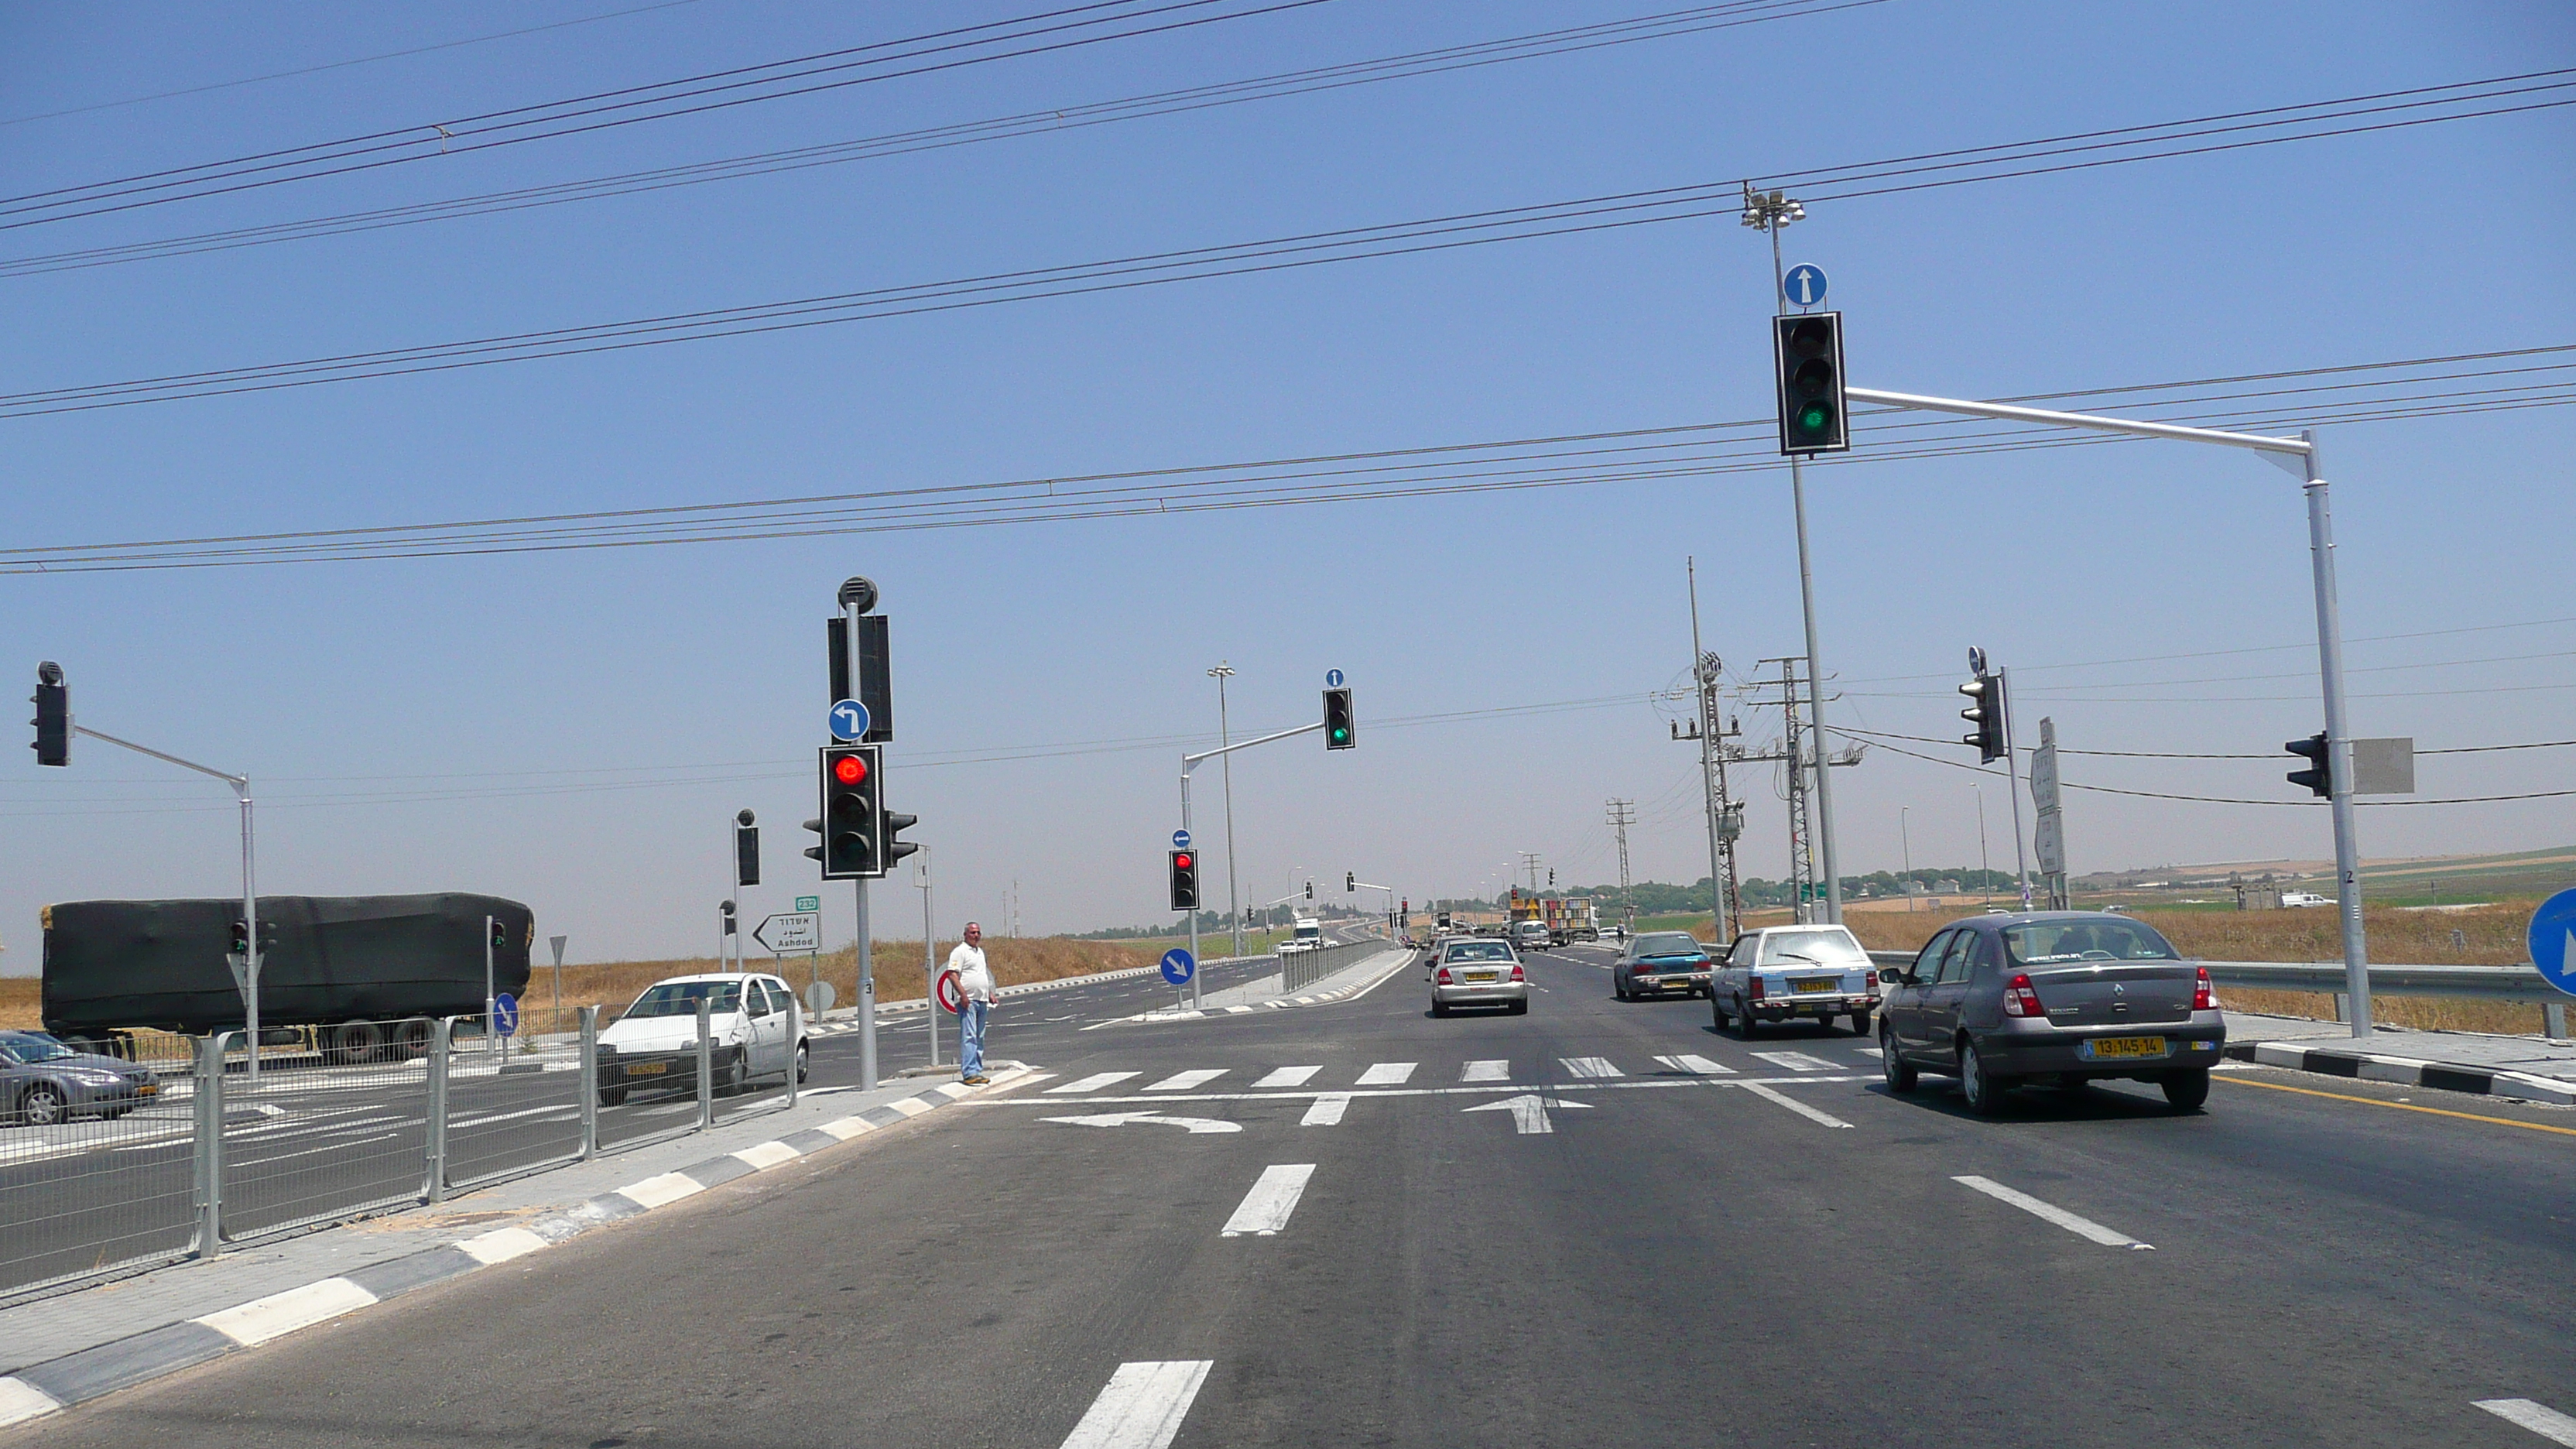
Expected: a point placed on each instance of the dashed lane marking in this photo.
(1265, 1209)
(1388, 1074)
(1796, 1061)
(1289, 1077)
(1184, 1081)
(1092, 1083)
(1500, 1071)
(1697, 1066)
(1591, 1067)
(1327, 1110)
(1142, 1407)
(2540, 1419)
(1794, 1105)
(2081, 1227)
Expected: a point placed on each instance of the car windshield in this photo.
(36, 1049)
(1479, 951)
(1669, 943)
(1822, 946)
(2048, 943)
(680, 998)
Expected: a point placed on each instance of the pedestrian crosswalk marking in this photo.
(1486, 1072)
(1289, 1077)
(1387, 1074)
(1796, 1061)
(1591, 1067)
(1266, 1209)
(1327, 1110)
(1696, 1066)
(1092, 1083)
(1184, 1081)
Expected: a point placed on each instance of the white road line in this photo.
(1327, 1110)
(1387, 1074)
(1794, 1105)
(1183, 1081)
(1265, 1209)
(1796, 1061)
(1867, 1052)
(2540, 1419)
(1696, 1066)
(1486, 1072)
(1591, 1067)
(1288, 1077)
(2081, 1227)
(1142, 1406)
(1094, 1082)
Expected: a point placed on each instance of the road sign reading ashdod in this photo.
(784, 934)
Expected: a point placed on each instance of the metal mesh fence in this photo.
(765, 1059)
(513, 1104)
(1301, 969)
(648, 1095)
(325, 1133)
(97, 1159)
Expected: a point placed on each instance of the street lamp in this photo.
(1233, 900)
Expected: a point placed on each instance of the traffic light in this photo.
(723, 908)
(1350, 881)
(1339, 729)
(1185, 880)
(1808, 353)
(2318, 777)
(1986, 712)
(53, 719)
(896, 823)
(853, 820)
(1310, 890)
(241, 939)
(746, 850)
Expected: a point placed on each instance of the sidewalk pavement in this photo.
(2528, 1068)
(76, 1346)
(1266, 993)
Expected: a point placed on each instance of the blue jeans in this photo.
(970, 1037)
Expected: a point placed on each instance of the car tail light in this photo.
(2203, 997)
(1516, 972)
(2021, 999)
(1756, 987)
(1444, 975)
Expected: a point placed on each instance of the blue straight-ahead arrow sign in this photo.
(1803, 285)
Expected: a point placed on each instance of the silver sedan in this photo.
(1478, 973)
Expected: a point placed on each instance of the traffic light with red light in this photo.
(853, 820)
(1185, 880)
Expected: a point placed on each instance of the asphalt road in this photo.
(1594, 1224)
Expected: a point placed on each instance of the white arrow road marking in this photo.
(1265, 1209)
(1092, 1083)
(1120, 1119)
(1794, 1105)
(1529, 1113)
(1141, 1408)
(1696, 1066)
(2540, 1419)
(2081, 1227)
(1289, 1077)
(1486, 1072)
(1327, 1110)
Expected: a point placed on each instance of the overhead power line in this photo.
(1310, 249)
(951, 49)
(1667, 25)
(1677, 452)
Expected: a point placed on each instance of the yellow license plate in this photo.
(1804, 988)
(1484, 975)
(2123, 1047)
(646, 1069)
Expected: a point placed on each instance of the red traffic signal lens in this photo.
(849, 769)
(1181, 861)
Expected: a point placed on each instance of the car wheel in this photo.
(2185, 1091)
(1745, 1025)
(1982, 1089)
(1440, 1008)
(731, 1079)
(1716, 1014)
(804, 1063)
(41, 1105)
(1520, 1007)
(1900, 1073)
(1860, 1023)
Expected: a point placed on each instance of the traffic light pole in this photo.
(1192, 762)
(250, 889)
(2303, 448)
(867, 999)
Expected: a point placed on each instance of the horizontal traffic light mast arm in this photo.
(2300, 447)
(1191, 762)
(236, 781)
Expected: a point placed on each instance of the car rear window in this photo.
(2050, 943)
(1479, 951)
(1821, 946)
(1669, 943)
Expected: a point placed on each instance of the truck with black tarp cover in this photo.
(364, 973)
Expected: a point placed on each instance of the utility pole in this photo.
(1529, 862)
(1771, 211)
(1800, 756)
(1622, 814)
(1723, 825)
(1224, 738)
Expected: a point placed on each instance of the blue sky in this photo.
(576, 728)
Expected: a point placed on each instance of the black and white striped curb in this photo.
(74, 1378)
(2404, 1071)
(1278, 1004)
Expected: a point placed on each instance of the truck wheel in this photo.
(612, 1096)
(356, 1041)
(411, 1039)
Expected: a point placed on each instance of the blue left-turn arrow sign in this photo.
(849, 720)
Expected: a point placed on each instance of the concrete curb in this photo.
(43, 1388)
(2404, 1071)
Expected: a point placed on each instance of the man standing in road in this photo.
(975, 1003)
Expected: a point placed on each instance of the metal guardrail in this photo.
(204, 1162)
(1301, 969)
(2486, 983)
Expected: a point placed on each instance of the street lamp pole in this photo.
(1224, 737)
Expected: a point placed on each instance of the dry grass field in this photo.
(614, 984)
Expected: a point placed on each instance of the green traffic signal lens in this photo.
(1341, 734)
(1813, 419)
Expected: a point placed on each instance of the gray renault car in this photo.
(2066, 996)
(1470, 972)
(43, 1081)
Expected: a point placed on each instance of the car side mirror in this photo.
(1895, 976)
